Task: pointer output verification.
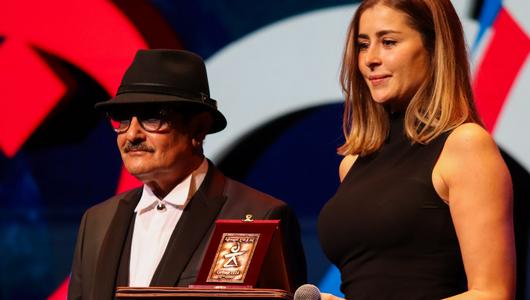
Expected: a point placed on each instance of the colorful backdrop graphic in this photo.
(273, 66)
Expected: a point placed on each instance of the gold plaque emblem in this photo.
(233, 257)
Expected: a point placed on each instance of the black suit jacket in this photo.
(104, 229)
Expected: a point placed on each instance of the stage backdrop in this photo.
(273, 66)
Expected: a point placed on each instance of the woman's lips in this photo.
(377, 80)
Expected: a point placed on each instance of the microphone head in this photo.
(307, 292)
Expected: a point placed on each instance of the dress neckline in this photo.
(396, 130)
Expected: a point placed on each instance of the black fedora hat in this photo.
(166, 77)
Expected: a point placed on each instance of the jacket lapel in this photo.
(112, 246)
(196, 220)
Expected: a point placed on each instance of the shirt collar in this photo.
(180, 195)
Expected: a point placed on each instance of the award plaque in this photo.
(233, 257)
(240, 252)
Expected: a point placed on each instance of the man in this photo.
(157, 235)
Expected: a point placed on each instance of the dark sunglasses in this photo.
(149, 120)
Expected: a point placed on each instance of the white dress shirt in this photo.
(153, 227)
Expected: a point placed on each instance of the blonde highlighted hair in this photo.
(443, 101)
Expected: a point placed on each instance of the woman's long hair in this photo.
(443, 101)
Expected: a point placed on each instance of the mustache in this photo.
(137, 147)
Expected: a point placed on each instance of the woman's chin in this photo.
(380, 100)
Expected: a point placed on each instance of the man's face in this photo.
(156, 155)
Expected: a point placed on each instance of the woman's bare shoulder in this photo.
(470, 136)
(470, 153)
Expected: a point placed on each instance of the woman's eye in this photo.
(362, 45)
(389, 42)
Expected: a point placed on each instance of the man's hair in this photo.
(443, 101)
(197, 120)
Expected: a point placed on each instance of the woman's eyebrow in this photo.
(378, 34)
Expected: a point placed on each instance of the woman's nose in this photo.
(372, 57)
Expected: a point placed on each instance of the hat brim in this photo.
(132, 99)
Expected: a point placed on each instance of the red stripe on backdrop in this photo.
(75, 31)
(502, 62)
(29, 91)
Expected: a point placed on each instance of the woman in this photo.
(424, 209)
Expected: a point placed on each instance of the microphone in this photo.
(307, 292)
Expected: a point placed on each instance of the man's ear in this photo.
(200, 125)
(197, 144)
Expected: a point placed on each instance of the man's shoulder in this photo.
(238, 191)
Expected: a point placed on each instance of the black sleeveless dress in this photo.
(387, 230)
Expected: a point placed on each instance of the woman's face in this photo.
(392, 58)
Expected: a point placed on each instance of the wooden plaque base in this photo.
(196, 293)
